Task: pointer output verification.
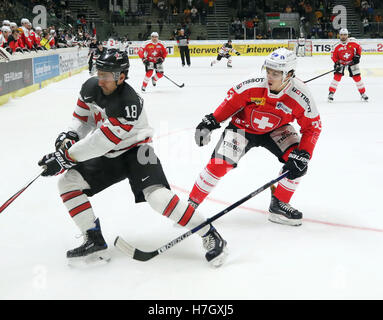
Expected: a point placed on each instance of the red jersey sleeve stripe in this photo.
(82, 104)
(172, 204)
(186, 216)
(80, 208)
(82, 118)
(115, 122)
(110, 135)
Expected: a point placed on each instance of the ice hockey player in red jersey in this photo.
(109, 141)
(346, 54)
(261, 110)
(153, 54)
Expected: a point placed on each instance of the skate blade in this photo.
(277, 218)
(220, 259)
(95, 258)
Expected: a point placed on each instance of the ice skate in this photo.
(364, 97)
(215, 246)
(94, 248)
(330, 97)
(154, 82)
(143, 89)
(283, 213)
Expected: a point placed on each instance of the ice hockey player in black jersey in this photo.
(109, 140)
(224, 52)
(94, 54)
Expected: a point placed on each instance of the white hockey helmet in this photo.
(154, 34)
(343, 31)
(5, 29)
(13, 25)
(24, 20)
(38, 28)
(281, 59)
(6, 23)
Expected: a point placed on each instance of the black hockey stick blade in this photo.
(140, 255)
(178, 85)
(16, 195)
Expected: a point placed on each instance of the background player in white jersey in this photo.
(261, 110)
(301, 46)
(224, 52)
(107, 142)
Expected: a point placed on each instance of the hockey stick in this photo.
(145, 256)
(178, 85)
(323, 74)
(13, 198)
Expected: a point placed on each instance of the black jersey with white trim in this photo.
(108, 125)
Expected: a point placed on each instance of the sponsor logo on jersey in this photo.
(249, 81)
(286, 134)
(258, 101)
(234, 145)
(283, 107)
(303, 96)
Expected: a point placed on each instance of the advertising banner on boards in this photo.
(15, 75)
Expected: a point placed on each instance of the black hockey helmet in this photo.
(115, 61)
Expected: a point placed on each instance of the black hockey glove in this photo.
(237, 53)
(204, 129)
(145, 61)
(66, 139)
(160, 60)
(56, 163)
(356, 59)
(338, 67)
(297, 164)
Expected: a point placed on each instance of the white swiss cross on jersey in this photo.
(263, 121)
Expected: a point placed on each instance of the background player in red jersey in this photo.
(261, 110)
(346, 53)
(153, 54)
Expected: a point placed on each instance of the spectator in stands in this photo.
(187, 15)
(160, 23)
(249, 24)
(175, 15)
(366, 25)
(194, 14)
(203, 15)
(45, 41)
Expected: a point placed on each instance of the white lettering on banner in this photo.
(12, 76)
(42, 69)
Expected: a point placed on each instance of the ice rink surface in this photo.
(335, 254)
